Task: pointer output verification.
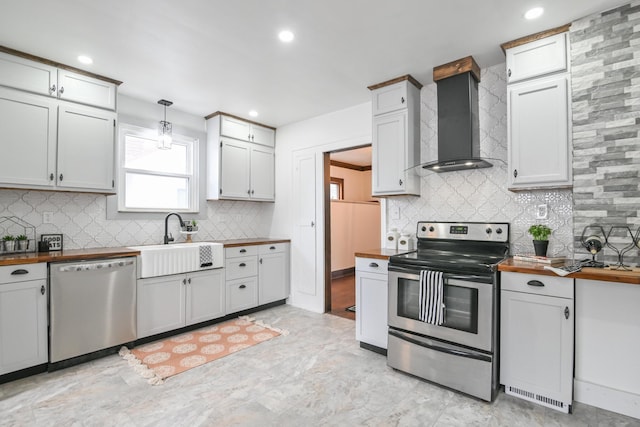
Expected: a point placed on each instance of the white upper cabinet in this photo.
(537, 58)
(27, 75)
(86, 90)
(246, 131)
(37, 77)
(28, 127)
(51, 143)
(396, 137)
(238, 169)
(539, 112)
(85, 148)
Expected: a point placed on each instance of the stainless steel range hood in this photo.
(458, 128)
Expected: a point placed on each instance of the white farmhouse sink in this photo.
(163, 260)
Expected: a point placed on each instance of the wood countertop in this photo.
(66, 255)
(379, 253)
(100, 253)
(588, 273)
(251, 241)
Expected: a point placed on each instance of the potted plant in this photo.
(191, 226)
(9, 243)
(540, 233)
(22, 243)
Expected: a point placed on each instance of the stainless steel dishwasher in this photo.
(92, 306)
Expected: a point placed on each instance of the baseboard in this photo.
(622, 402)
(343, 273)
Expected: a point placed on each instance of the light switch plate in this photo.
(542, 211)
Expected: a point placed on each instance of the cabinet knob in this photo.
(51, 177)
(566, 312)
(61, 91)
(61, 177)
(252, 191)
(189, 280)
(184, 281)
(52, 89)
(249, 137)
(400, 181)
(272, 248)
(515, 173)
(242, 264)
(243, 251)
(509, 72)
(42, 289)
(242, 286)
(402, 100)
(248, 191)
(260, 260)
(313, 224)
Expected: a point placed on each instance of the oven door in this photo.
(469, 309)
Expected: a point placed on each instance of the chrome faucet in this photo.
(167, 237)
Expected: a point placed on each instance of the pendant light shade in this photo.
(164, 128)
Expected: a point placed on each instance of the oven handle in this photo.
(463, 277)
(424, 343)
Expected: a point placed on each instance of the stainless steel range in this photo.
(459, 350)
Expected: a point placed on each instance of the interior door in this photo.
(303, 250)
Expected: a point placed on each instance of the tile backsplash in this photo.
(82, 220)
(481, 195)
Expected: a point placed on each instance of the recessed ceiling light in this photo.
(534, 13)
(285, 36)
(253, 113)
(85, 59)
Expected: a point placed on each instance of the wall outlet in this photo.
(542, 211)
(395, 212)
(47, 217)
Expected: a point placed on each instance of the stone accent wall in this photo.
(605, 65)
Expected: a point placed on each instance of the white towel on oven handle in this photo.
(431, 298)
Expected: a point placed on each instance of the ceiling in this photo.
(357, 157)
(210, 55)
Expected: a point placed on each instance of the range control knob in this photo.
(431, 229)
(424, 228)
(489, 230)
(499, 230)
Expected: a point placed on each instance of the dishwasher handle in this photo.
(90, 266)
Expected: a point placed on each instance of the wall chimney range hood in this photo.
(458, 128)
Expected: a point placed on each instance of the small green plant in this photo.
(21, 237)
(8, 238)
(540, 232)
(194, 223)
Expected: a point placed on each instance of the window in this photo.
(336, 188)
(154, 180)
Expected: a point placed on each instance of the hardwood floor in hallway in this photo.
(343, 295)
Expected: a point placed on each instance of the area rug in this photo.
(159, 360)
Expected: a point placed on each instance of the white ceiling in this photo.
(358, 156)
(210, 55)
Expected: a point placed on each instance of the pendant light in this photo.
(164, 128)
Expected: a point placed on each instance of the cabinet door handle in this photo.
(373, 265)
(249, 137)
(61, 91)
(242, 286)
(400, 181)
(52, 89)
(509, 72)
(184, 281)
(515, 173)
(248, 191)
(51, 177)
(243, 251)
(260, 260)
(537, 283)
(402, 100)
(272, 248)
(61, 177)
(42, 289)
(252, 191)
(566, 312)
(19, 272)
(242, 264)
(313, 224)
(189, 280)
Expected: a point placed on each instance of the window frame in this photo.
(192, 175)
(340, 183)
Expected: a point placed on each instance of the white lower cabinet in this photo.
(371, 301)
(536, 338)
(23, 317)
(256, 275)
(172, 302)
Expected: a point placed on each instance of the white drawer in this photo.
(372, 265)
(241, 294)
(237, 268)
(23, 272)
(537, 284)
(240, 251)
(272, 248)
